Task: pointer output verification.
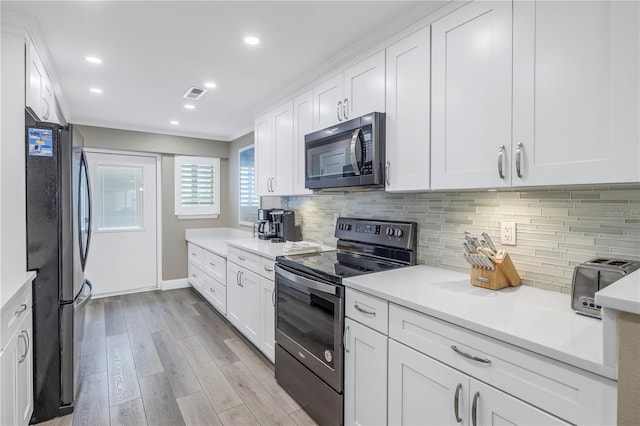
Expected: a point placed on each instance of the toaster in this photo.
(592, 276)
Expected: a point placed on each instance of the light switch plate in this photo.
(508, 233)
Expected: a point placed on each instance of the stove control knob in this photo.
(341, 226)
(348, 227)
(399, 232)
(389, 231)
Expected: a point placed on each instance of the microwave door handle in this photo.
(354, 159)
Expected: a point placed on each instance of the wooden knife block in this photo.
(505, 275)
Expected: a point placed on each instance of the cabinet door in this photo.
(422, 390)
(48, 101)
(267, 318)
(302, 125)
(251, 310)
(216, 294)
(24, 372)
(35, 78)
(264, 155)
(471, 97)
(364, 87)
(8, 386)
(235, 295)
(365, 375)
(326, 96)
(408, 113)
(576, 92)
(493, 407)
(282, 150)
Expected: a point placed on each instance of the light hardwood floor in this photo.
(168, 358)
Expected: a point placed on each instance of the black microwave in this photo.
(347, 156)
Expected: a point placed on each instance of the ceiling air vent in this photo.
(194, 93)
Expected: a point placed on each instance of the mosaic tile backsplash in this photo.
(556, 229)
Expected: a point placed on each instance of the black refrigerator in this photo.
(58, 237)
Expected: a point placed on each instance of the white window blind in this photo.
(249, 202)
(197, 187)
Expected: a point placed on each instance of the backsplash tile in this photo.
(556, 229)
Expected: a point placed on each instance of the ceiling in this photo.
(153, 51)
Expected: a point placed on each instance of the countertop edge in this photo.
(622, 295)
(28, 277)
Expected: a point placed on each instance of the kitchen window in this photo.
(249, 203)
(197, 187)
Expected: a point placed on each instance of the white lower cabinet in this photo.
(268, 318)
(243, 301)
(16, 361)
(365, 375)
(425, 391)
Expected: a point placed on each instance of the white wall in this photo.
(13, 239)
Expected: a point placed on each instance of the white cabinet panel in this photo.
(576, 92)
(364, 87)
(8, 396)
(302, 125)
(327, 102)
(215, 266)
(234, 295)
(264, 154)
(471, 96)
(24, 371)
(408, 113)
(365, 375)
(216, 294)
(267, 318)
(368, 310)
(283, 150)
(250, 283)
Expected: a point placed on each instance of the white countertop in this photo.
(214, 239)
(537, 320)
(18, 281)
(266, 248)
(622, 295)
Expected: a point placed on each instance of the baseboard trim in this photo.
(173, 284)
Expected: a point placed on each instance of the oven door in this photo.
(309, 323)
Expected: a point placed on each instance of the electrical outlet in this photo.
(508, 233)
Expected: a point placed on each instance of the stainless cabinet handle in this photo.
(273, 297)
(194, 275)
(19, 312)
(193, 254)
(500, 161)
(456, 403)
(339, 110)
(364, 311)
(273, 184)
(518, 160)
(211, 290)
(242, 258)
(345, 109)
(212, 264)
(345, 339)
(25, 336)
(474, 409)
(266, 268)
(238, 277)
(386, 172)
(46, 114)
(469, 356)
(240, 282)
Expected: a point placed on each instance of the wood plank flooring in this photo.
(168, 358)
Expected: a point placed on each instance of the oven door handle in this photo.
(306, 282)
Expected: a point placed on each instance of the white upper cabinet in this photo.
(264, 153)
(302, 125)
(40, 97)
(471, 97)
(408, 113)
(357, 91)
(576, 92)
(274, 151)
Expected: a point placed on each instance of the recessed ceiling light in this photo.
(189, 106)
(210, 85)
(252, 41)
(95, 90)
(93, 60)
(175, 123)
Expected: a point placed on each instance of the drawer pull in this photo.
(19, 311)
(456, 403)
(266, 268)
(469, 356)
(193, 253)
(474, 409)
(364, 311)
(212, 264)
(25, 335)
(242, 258)
(345, 339)
(211, 290)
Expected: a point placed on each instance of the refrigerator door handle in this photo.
(78, 303)
(84, 167)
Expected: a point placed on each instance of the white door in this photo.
(235, 295)
(302, 125)
(251, 305)
(123, 253)
(471, 97)
(422, 391)
(282, 161)
(263, 155)
(364, 87)
(267, 318)
(576, 92)
(365, 375)
(327, 102)
(408, 125)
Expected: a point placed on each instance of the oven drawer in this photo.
(245, 259)
(367, 310)
(567, 392)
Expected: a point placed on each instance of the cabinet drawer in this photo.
(196, 276)
(565, 391)
(195, 255)
(245, 259)
(216, 294)
(14, 312)
(215, 266)
(267, 268)
(368, 310)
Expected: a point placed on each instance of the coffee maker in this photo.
(266, 227)
(284, 222)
